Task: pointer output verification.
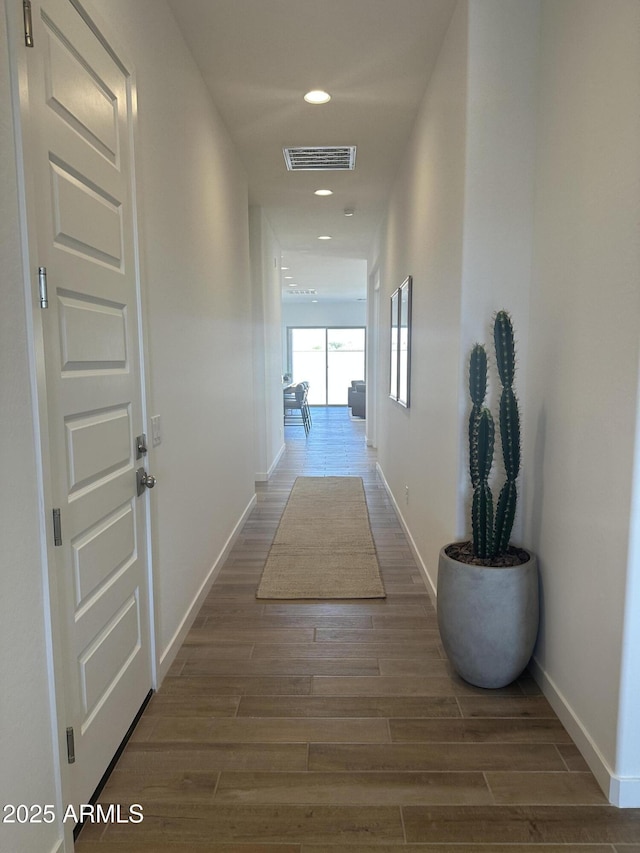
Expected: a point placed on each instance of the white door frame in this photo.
(27, 204)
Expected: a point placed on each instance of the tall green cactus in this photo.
(481, 441)
(489, 539)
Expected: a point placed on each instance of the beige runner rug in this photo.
(323, 547)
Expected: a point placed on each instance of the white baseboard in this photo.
(621, 792)
(625, 792)
(414, 549)
(169, 654)
(263, 477)
(276, 460)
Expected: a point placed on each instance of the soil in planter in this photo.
(463, 553)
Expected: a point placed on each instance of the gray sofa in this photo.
(357, 398)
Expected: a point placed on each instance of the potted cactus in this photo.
(487, 587)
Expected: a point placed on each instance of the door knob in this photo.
(144, 480)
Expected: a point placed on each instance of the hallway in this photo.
(302, 727)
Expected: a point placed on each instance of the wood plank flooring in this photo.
(318, 727)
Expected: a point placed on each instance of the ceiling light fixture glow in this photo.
(317, 96)
(323, 192)
(324, 237)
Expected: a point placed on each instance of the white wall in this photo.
(583, 374)
(498, 212)
(28, 767)
(267, 344)
(197, 298)
(460, 221)
(521, 189)
(422, 237)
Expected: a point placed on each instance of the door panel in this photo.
(345, 362)
(101, 551)
(108, 653)
(81, 162)
(79, 94)
(85, 221)
(92, 334)
(98, 445)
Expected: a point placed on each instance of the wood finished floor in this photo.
(316, 727)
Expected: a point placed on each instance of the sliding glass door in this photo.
(328, 359)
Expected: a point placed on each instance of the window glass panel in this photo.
(393, 383)
(309, 362)
(345, 362)
(345, 340)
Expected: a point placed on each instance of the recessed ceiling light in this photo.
(288, 276)
(349, 211)
(317, 96)
(323, 192)
(284, 268)
(314, 300)
(292, 284)
(324, 237)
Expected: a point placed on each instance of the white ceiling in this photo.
(259, 57)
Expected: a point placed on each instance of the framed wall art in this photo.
(400, 380)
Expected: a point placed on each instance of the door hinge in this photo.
(42, 287)
(71, 746)
(57, 528)
(28, 23)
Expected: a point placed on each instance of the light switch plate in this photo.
(156, 435)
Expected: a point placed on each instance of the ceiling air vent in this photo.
(300, 292)
(331, 158)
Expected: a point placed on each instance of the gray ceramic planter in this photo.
(488, 619)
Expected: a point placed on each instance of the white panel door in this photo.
(79, 156)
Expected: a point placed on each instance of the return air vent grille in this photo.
(332, 158)
(301, 292)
